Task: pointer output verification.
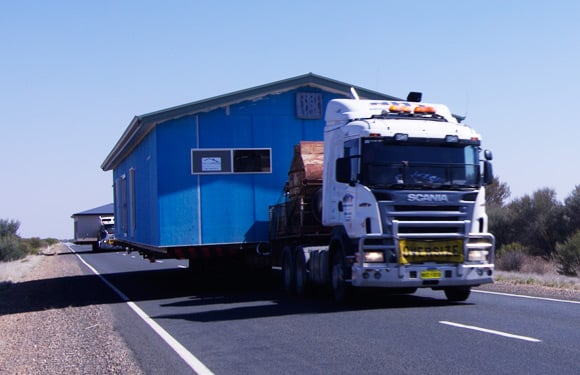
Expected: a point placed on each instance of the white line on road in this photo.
(529, 297)
(185, 354)
(494, 332)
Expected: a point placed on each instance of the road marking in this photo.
(494, 332)
(181, 266)
(185, 354)
(528, 297)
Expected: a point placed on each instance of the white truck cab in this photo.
(403, 186)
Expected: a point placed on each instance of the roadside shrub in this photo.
(537, 265)
(568, 256)
(36, 244)
(511, 257)
(11, 248)
(51, 241)
(9, 227)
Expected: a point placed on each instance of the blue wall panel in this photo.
(178, 217)
(145, 228)
(179, 208)
(227, 209)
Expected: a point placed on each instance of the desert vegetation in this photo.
(536, 232)
(13, 247)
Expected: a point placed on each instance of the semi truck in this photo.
(394, 198)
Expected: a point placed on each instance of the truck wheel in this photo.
(457, 294)
(95, 246)
(340, 288)
(288, 270)
(301, 275)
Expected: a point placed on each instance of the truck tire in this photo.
(301, 274)
(95, 246)
(457, 294)
(341, 290)
(288, 270)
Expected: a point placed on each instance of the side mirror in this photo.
(343, 171)
(488, 155)
(487, 173)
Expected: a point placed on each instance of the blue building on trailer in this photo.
(199, 178)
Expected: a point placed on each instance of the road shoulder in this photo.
(44, 331)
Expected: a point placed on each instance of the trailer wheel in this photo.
(341, 290)
(301, 275)
(288, 270)
(458, 294)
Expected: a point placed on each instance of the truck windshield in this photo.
(419, 165)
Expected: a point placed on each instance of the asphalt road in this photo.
(236, 325)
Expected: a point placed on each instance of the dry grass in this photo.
(522, 269)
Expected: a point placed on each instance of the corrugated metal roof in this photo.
(141, 125)
(107, 209)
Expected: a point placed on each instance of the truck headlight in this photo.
(477, 256)
(374, 257)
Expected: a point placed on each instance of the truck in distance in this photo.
(95, 230)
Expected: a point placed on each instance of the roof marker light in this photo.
(424, 110)
(399, 108)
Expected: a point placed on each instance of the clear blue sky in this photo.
(74, 73)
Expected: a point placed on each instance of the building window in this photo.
(124, 205)
(118, 204)
(351, 150)
(121, 205)
(132, 215)
(256, 161)
(225, 161)
(309, 105)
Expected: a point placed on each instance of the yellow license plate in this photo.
(419, 251)
(430, 275)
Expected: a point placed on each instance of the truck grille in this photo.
(427, 232)
(422, 219)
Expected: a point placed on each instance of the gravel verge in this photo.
(37, 338)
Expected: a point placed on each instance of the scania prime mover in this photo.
(394, 198)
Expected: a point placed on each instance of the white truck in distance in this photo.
(402, 204)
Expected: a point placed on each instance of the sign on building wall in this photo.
(211, 161)
(211, 164)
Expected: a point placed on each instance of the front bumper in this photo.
(418, 276)
(472, 265)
